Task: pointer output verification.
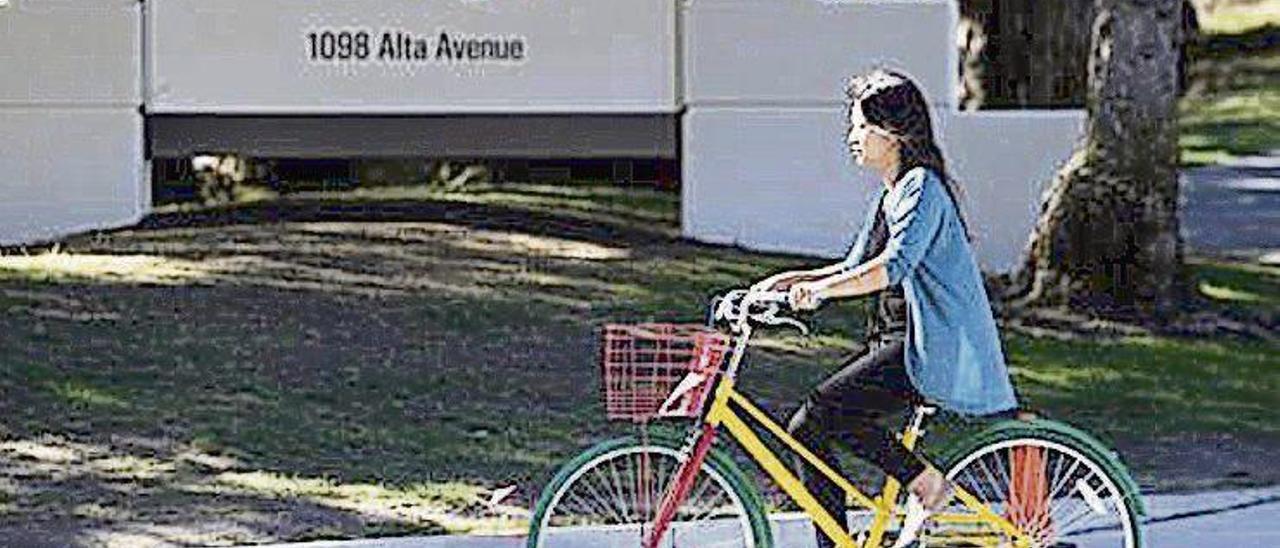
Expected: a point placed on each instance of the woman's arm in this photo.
(784, 280)
(867, 277)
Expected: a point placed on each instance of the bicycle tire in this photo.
(754, 518)
(1075, 450)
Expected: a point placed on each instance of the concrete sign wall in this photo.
(755, 87)
(797, 52)
(409, 56)
(71, 155)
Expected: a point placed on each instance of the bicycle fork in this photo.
(679, 489)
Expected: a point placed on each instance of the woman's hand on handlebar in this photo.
(743, 306)
(806, 296)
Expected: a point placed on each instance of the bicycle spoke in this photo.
(598, 504)
(978, 488)
(694, 497)
(593, 507)
(1088, 511)
(1081, 498)
(1064, 525)
(657, 486)
(620, 496)
(995, 486)
(590, 482)
(1056, 469)
(1064, 480)
(618, 488)
(1015, 498)
(710, 510)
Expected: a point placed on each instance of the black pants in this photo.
(850, 407)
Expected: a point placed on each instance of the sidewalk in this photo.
(1234, 208)
(1246, 517)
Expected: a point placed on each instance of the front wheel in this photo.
(609, 495)
(1055, 483)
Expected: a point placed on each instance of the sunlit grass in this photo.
(84, 395)
(1240, 16)
(433, 504)
(124, 268)
(1219, 127)
(1144, 387)
(1228, 294)
(1249, 285)
(1232, 108)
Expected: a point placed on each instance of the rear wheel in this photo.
(1059, 491)
(609, 495)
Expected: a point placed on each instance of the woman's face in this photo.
(870, 146)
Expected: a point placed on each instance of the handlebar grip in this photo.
(771, 297)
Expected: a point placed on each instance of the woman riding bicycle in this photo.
(932, 337)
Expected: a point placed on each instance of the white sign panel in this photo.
(799, 52)
(69, 170)
(410, 56)
(81, 53)
(71, 141)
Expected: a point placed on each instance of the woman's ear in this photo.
(895, 146)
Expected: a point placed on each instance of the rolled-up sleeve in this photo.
(914, 217)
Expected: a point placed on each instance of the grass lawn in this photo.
(1233, 104)
(375, 363)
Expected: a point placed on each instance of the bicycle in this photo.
(1019, 482)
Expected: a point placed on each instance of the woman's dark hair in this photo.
(891, 101)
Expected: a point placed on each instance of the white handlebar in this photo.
(741, 306)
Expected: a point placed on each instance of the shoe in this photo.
(916, 516)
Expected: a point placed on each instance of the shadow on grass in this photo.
(1223, 46)
(636, 230)
(419, 353)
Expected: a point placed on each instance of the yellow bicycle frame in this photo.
(723, 413)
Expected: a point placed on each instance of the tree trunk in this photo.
(1023, 53)
(1107, 237)
(1030, 53)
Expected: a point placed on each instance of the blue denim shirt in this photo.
(953, 353)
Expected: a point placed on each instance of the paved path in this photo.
(1239, 518)
(1234, 208)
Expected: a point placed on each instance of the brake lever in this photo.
(772, 318)
(804, 329)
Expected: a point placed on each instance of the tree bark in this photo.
(1023, 53)
(1107, 237)
(1030, 53)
